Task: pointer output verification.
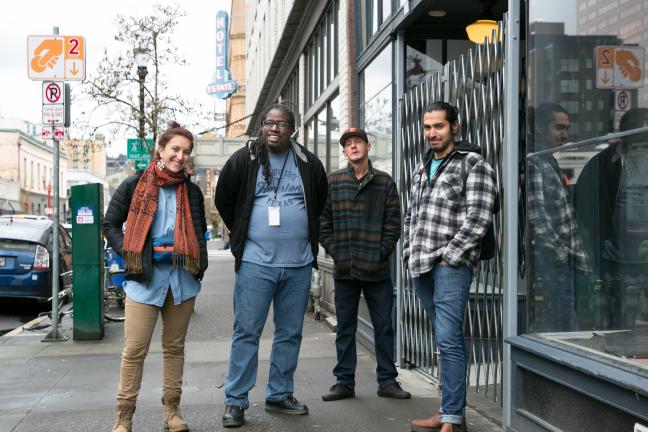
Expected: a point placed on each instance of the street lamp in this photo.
(142, 57)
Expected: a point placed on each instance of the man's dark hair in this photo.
(451, 112)
(633, 119)
(545, 112)
(259, 146)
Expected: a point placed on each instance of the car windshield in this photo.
(29, 230)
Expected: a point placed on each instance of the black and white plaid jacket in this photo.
(444, 221)
(551, 218)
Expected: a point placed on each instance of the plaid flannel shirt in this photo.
(551, 218)
(444, 221)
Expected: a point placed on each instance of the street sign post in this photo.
(138, 152)
(56, 57)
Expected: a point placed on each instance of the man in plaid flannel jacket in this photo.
(554, 235)
(447, 216)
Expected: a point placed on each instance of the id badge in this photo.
(274, 216)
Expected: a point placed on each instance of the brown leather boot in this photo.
(124, 417)
(173, 420)
(433, 424)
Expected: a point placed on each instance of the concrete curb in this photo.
(26, 326)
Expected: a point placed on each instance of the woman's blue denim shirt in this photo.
(182, 283)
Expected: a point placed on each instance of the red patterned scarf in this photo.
(142, 212)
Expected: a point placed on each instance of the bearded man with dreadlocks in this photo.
(165, 255)
(270, 194)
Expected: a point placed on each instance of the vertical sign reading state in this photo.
(223, 86)
(56, 58)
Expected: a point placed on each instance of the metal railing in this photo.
(475, 84)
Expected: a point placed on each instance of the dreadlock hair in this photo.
(259, 145)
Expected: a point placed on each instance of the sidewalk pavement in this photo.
(70, 386)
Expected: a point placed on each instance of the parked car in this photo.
(24, 216)
(26, 257)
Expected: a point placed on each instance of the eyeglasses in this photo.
(269, 124)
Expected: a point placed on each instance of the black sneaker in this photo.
(290, 405)
(234, 416)
(393, 390)
(339, 391)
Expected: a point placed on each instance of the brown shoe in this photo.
(124, 417)
(173, 420)
(433, 424)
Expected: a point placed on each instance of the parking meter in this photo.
(87, 261)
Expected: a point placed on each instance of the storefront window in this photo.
(376, 108)
(425, 57)
(587, 202)
(290, 93)
(322, 55)
(322, 144)
(333, 160)
(372, 14)
(323, 134)
(309, 136)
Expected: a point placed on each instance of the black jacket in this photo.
(595, 195)
(118, 212)
(236, 190)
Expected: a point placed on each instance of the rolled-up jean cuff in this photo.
(451, 418)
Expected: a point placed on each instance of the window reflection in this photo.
(587, 203)
(334, 135)
(376, 109)
(322, 143)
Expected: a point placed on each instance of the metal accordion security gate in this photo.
(475, 84)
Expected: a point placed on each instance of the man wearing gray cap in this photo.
(359, 228)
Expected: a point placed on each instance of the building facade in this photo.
(27, 162)
(235, 105)
(376, 64)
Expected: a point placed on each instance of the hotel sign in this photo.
(223, 85)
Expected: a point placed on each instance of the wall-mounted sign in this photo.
(223, 85)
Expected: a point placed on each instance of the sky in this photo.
(555, 11)
(20, 97)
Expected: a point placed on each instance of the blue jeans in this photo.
(554, 297)
(257, 286)
(380, 300)
(443, 292)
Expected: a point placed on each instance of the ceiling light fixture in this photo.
(482, 29)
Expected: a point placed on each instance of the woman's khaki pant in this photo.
(138, 330)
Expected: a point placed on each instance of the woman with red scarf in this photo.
(165, 256)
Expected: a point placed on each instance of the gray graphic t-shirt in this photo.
(278, 232)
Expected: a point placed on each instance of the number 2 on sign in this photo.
(605, 56)
(73, 50)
